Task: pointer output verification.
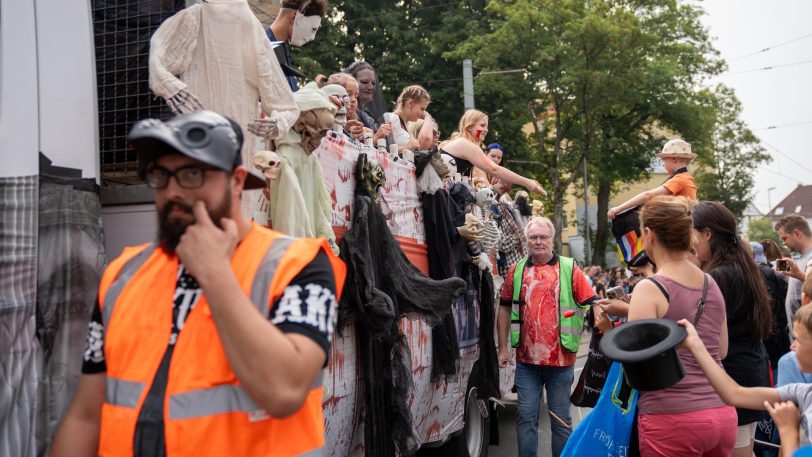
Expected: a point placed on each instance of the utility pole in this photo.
(587, 237)
(468, 83)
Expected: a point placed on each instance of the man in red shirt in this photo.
(545, 354)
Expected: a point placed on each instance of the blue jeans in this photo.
(530, 379)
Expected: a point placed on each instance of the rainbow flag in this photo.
(629, 246)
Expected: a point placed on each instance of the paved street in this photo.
(507, 419)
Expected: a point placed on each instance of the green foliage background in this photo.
(621, 77)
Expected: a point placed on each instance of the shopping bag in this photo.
(593, 376)
(767, 432)
(607, 429)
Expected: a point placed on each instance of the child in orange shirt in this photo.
(676, 155)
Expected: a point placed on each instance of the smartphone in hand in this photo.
(618, 293)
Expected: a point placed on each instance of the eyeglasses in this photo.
(536, 238)
(188, 177)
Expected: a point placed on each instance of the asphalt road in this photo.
(507, 418)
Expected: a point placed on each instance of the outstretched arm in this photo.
(464, 149)
(638, 200)
(730, 392)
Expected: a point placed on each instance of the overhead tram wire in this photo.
(770, 67)
(787, 156)
(770, 48)
(773, 127)
(781, 174)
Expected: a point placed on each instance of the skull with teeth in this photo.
(269, 163)
(485, 197)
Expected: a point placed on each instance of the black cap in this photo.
(202, 135)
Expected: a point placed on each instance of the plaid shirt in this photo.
(512, 246)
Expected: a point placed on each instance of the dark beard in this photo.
(170, 231)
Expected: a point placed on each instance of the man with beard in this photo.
(212, 340)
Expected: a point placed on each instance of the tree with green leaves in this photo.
(600, 78)
(726, 174)
(761, 229)
(405, 41)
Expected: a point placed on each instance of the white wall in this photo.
(18, 90)
(67, 84)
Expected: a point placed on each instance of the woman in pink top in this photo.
(688, 418)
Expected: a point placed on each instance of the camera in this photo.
(782, 265)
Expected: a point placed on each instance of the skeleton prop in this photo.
(269, 163)
(538, 208)
(485, 197)
(373, 177)
(216, 55)
(301, 178)
(338, 94)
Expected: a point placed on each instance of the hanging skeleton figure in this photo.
(490, 233)
(298, 202)
(215, 55)
(381, 286)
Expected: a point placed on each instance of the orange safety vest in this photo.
(206, 412)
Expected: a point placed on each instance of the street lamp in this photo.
(769, 200)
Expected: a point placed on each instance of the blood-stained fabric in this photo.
(404, 214)
(540, 343)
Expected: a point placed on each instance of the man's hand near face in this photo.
(205, 249)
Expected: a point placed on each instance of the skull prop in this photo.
(485, 197)
(269, 163)
(339, 94)
(538, 208)
(312, 125)
(370, 175)
(439, 165)
(450, 163)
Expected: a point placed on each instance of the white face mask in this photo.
(304, 29)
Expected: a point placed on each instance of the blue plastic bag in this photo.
(607, 429)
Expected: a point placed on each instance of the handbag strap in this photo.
(700, 306)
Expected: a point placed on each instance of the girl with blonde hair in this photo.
(465, 146)
(411, 107)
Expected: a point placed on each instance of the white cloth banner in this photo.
(399, 202)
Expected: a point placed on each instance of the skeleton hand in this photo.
(472, 230)
(184, 102)
(263, 128)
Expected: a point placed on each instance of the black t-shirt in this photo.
(313, 286)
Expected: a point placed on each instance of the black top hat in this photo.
(648, 351)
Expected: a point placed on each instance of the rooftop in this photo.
(799, 201)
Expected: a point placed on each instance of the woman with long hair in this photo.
(749, 316)
(465, 146)
(688, 418)
(771, 250)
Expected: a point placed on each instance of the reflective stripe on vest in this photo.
(124, 276)
(217, 400)
(124, 393)
(261, 286)
(515, 307)
(314, 453)
(569, 328)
